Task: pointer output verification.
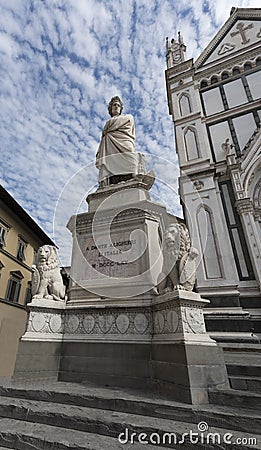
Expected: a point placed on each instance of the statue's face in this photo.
(115, 108)
(171, 233)
(43, 253)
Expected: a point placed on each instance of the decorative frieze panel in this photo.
(178, 317)
(89, 322)
(45, 321)
(174, 315)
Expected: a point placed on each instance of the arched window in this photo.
(235, 71)
(247, 66)
(203, 84)
(224, 75)
(184, 105)
(209, 249)
(191, 143)
(214, 80)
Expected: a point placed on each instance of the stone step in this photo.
(241, 358)
(78, 428)
(6, 448)
(252, 384)
(20, 435)
(243, 370)
(236, 399)
(243, 364)
(32, 403)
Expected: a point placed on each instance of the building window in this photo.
(184, 105)
(22, 244)
(218, 135)
(14, 286)
(1, 267)
(247, 66)
(4, 228)
(244, 127)
(230, 94)
(214, 80)
(28, 293)
(191, 143)
(213, 102)
(2, 236)
(209, 248)
(203, 84)
(238, 129)
(235, 93)
(242, 258)
(236, 71)
(254, 82)
(224, 75)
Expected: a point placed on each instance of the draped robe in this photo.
(116, 153)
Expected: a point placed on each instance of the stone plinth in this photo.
(122, 194)
(186, 362)
(40, 347)
(115, 329)
(116, 245)
(159, 344)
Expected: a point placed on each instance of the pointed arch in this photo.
(191, 143)
(209, 248)
(185, 104)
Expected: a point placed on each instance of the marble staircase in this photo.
(243, 362)
(58, 416)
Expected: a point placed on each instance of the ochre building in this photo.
(20, 238)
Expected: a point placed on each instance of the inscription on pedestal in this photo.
(113, 259)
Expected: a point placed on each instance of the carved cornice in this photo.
(179, 69)
(108, 190)
(188, 119)
(218, 67)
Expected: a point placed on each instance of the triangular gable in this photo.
(241, 30)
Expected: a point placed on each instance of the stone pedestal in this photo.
(115, 329)
(159, 344)
(40, 347)
(186, 362)
(116, 248)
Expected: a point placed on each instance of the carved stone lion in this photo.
(47, 280)
(179, 260)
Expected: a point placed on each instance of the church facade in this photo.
(215, 105)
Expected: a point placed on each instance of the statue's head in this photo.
(115, 106)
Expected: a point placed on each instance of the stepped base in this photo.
(160, 345)
(72, 416)
(243, 362)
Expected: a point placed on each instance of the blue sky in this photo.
(60, 62)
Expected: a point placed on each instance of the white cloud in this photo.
(61, 62)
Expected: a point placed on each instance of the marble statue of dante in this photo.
(116, 157)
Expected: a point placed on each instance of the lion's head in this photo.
(47, 258)
(176, 240)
